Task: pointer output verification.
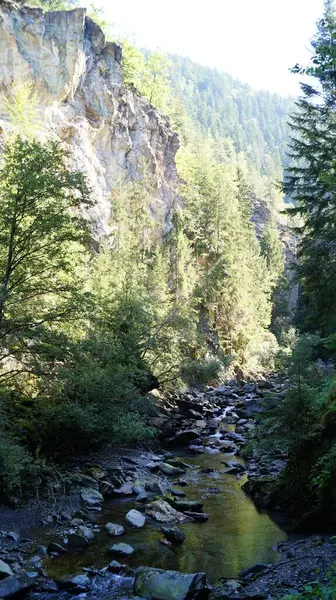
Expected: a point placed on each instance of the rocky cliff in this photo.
(112, 131)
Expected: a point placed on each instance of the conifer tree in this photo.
(311, 180)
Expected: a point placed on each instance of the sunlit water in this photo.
(236, 536)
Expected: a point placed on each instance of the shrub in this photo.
(314, 591)
(19, 471)
(14, 464)
(204, 371)
(130, 429)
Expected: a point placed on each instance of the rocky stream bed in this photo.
(173, 524)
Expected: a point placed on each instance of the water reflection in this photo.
(236, 536)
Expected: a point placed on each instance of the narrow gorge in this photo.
(167, 319)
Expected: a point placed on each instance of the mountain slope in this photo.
(254, 120)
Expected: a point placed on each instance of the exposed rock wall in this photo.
(111, 130)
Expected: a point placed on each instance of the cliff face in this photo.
(111, 130)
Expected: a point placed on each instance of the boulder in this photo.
(86, 532)
(122, 549)
(199, 517)
(126, 489)
(231, 590)
(193, 505)
(173, 534)
(235, 437)
(196, 449)
(91, 497)
(156, 486)
(76, 540)
(119, 568)
(152, 466)
(178, 463)
(116, 567)
(178, 493)
(136, 519)
(76, 522)
(96, 473)
(170, 470)
(74, 583)
(106, 488)
(13, 535)
(183, 438)
(142, 497)
(234, 467)
(156, 584)
(162, 512)
(114, 529)
(138, 487)
(194, 414)
(228, 447)
(15, 586)
(54, 548)
(5, 570)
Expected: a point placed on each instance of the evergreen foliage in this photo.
(88, 329)
(311, 180)
(304, 424)
(227, 108)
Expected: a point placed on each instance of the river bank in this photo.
(194, 483)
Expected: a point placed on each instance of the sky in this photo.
(256, 41)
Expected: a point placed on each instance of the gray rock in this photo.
(54, 548)
(182, 482)
(122, 549)
(162, 512)
(86, 72)
(178, 463)
(42, 550)
(114, 529)
(136, 519)
(156, 584)
(142, 497)
(152, 466)
(91, 497)
(191, 505)
(173, 534)
(234, 467)
(155, 486)
(138, 488)
(5, 570)
(196, 516)
(126, 489)
(14, 586)
(183, 438)
(74, 583)
(178, 493)
(86, 532)
(116, 567)
(13, 535)
(194, 414)
(106, 489)
(76, 522)
(229, 591)
(76, 540)
(169, 470)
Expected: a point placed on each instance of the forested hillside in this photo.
(256, 121)
(145, 272)
(177, 289)
(304, 425)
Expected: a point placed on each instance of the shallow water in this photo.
(236, 536)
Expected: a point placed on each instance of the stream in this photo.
(236, 536)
